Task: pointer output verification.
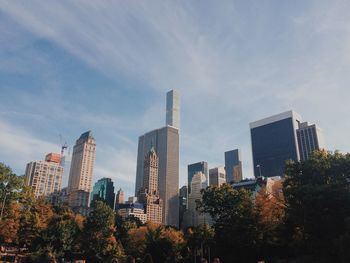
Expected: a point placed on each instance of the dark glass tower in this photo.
(274, 141)
(104, 191)
(233, 166)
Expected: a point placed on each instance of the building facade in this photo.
(183, 196)
(217, 176)
(194, 168)
(81, 171)
(119, 199)
(44, 177)
(149, 195)
(310, 138)
(165, 142)
(233, 166)
(132, 209)
(274, 140)
(104, 191)
(173, 109)
(192, 217)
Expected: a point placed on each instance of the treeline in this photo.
(304, 218)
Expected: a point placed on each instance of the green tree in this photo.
(317, 195)
(99, 242)
(236, 222)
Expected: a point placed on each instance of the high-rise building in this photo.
(233, 166)
(65, 163)
(217, 176)
(165, 142)
(103, 191)
(148, 194)
(194, 168)
(183, 196)
(310, 138)
(44, 176)
(173, 109)
(192, 217)
(132, 210)
(81, 171)
(119, 198)
(274, 141)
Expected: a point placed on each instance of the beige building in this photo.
(44, 177)
(132, 209)
(192, 217)
(148, 194)
(217, 176)
(81, 170)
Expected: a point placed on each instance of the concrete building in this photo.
(194, 168)
(274, 140)
(217, 176)
(310, 138)
(192, 217)
(173, 109)
(148, 194)
(233, 166)
(44, 176)
(81, 171)
(103, 191)
(132, 209)
(165, 142)
(119, 198)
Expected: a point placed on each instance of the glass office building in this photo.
(274, 141)
(233, 166)
(194, 168)
(104, 191)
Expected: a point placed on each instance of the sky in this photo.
(71, 66)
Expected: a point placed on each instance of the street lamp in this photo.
(3, 202)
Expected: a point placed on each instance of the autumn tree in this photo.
(99, 242)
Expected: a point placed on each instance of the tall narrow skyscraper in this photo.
(233, 166)
(173, 109)
(165, 142)
(310, 138)
(274, 141)
(81, 170)
(193, 168)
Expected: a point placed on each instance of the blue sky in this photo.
(71, 66)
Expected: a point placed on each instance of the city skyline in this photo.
(64, 79)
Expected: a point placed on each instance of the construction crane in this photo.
(64, 146)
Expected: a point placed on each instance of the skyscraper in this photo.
(148, 194)
(192, 217)
(217, 176)
(173, 109)
(192, 169)
(310, 138)
(183, 196)
(81, 171)
(274, 141)
(44, 176)
(103, 191)
(119, 198)
(165, 142)
(233, 166)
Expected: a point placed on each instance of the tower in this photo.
(148, 194)
(274, 141)
(104, 191)
(81, 170)
(165, 142)
(233, 166)
(173, 109)
(192, 169)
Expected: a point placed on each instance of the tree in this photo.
(235, 219)
(317, 195)
(99, 242)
